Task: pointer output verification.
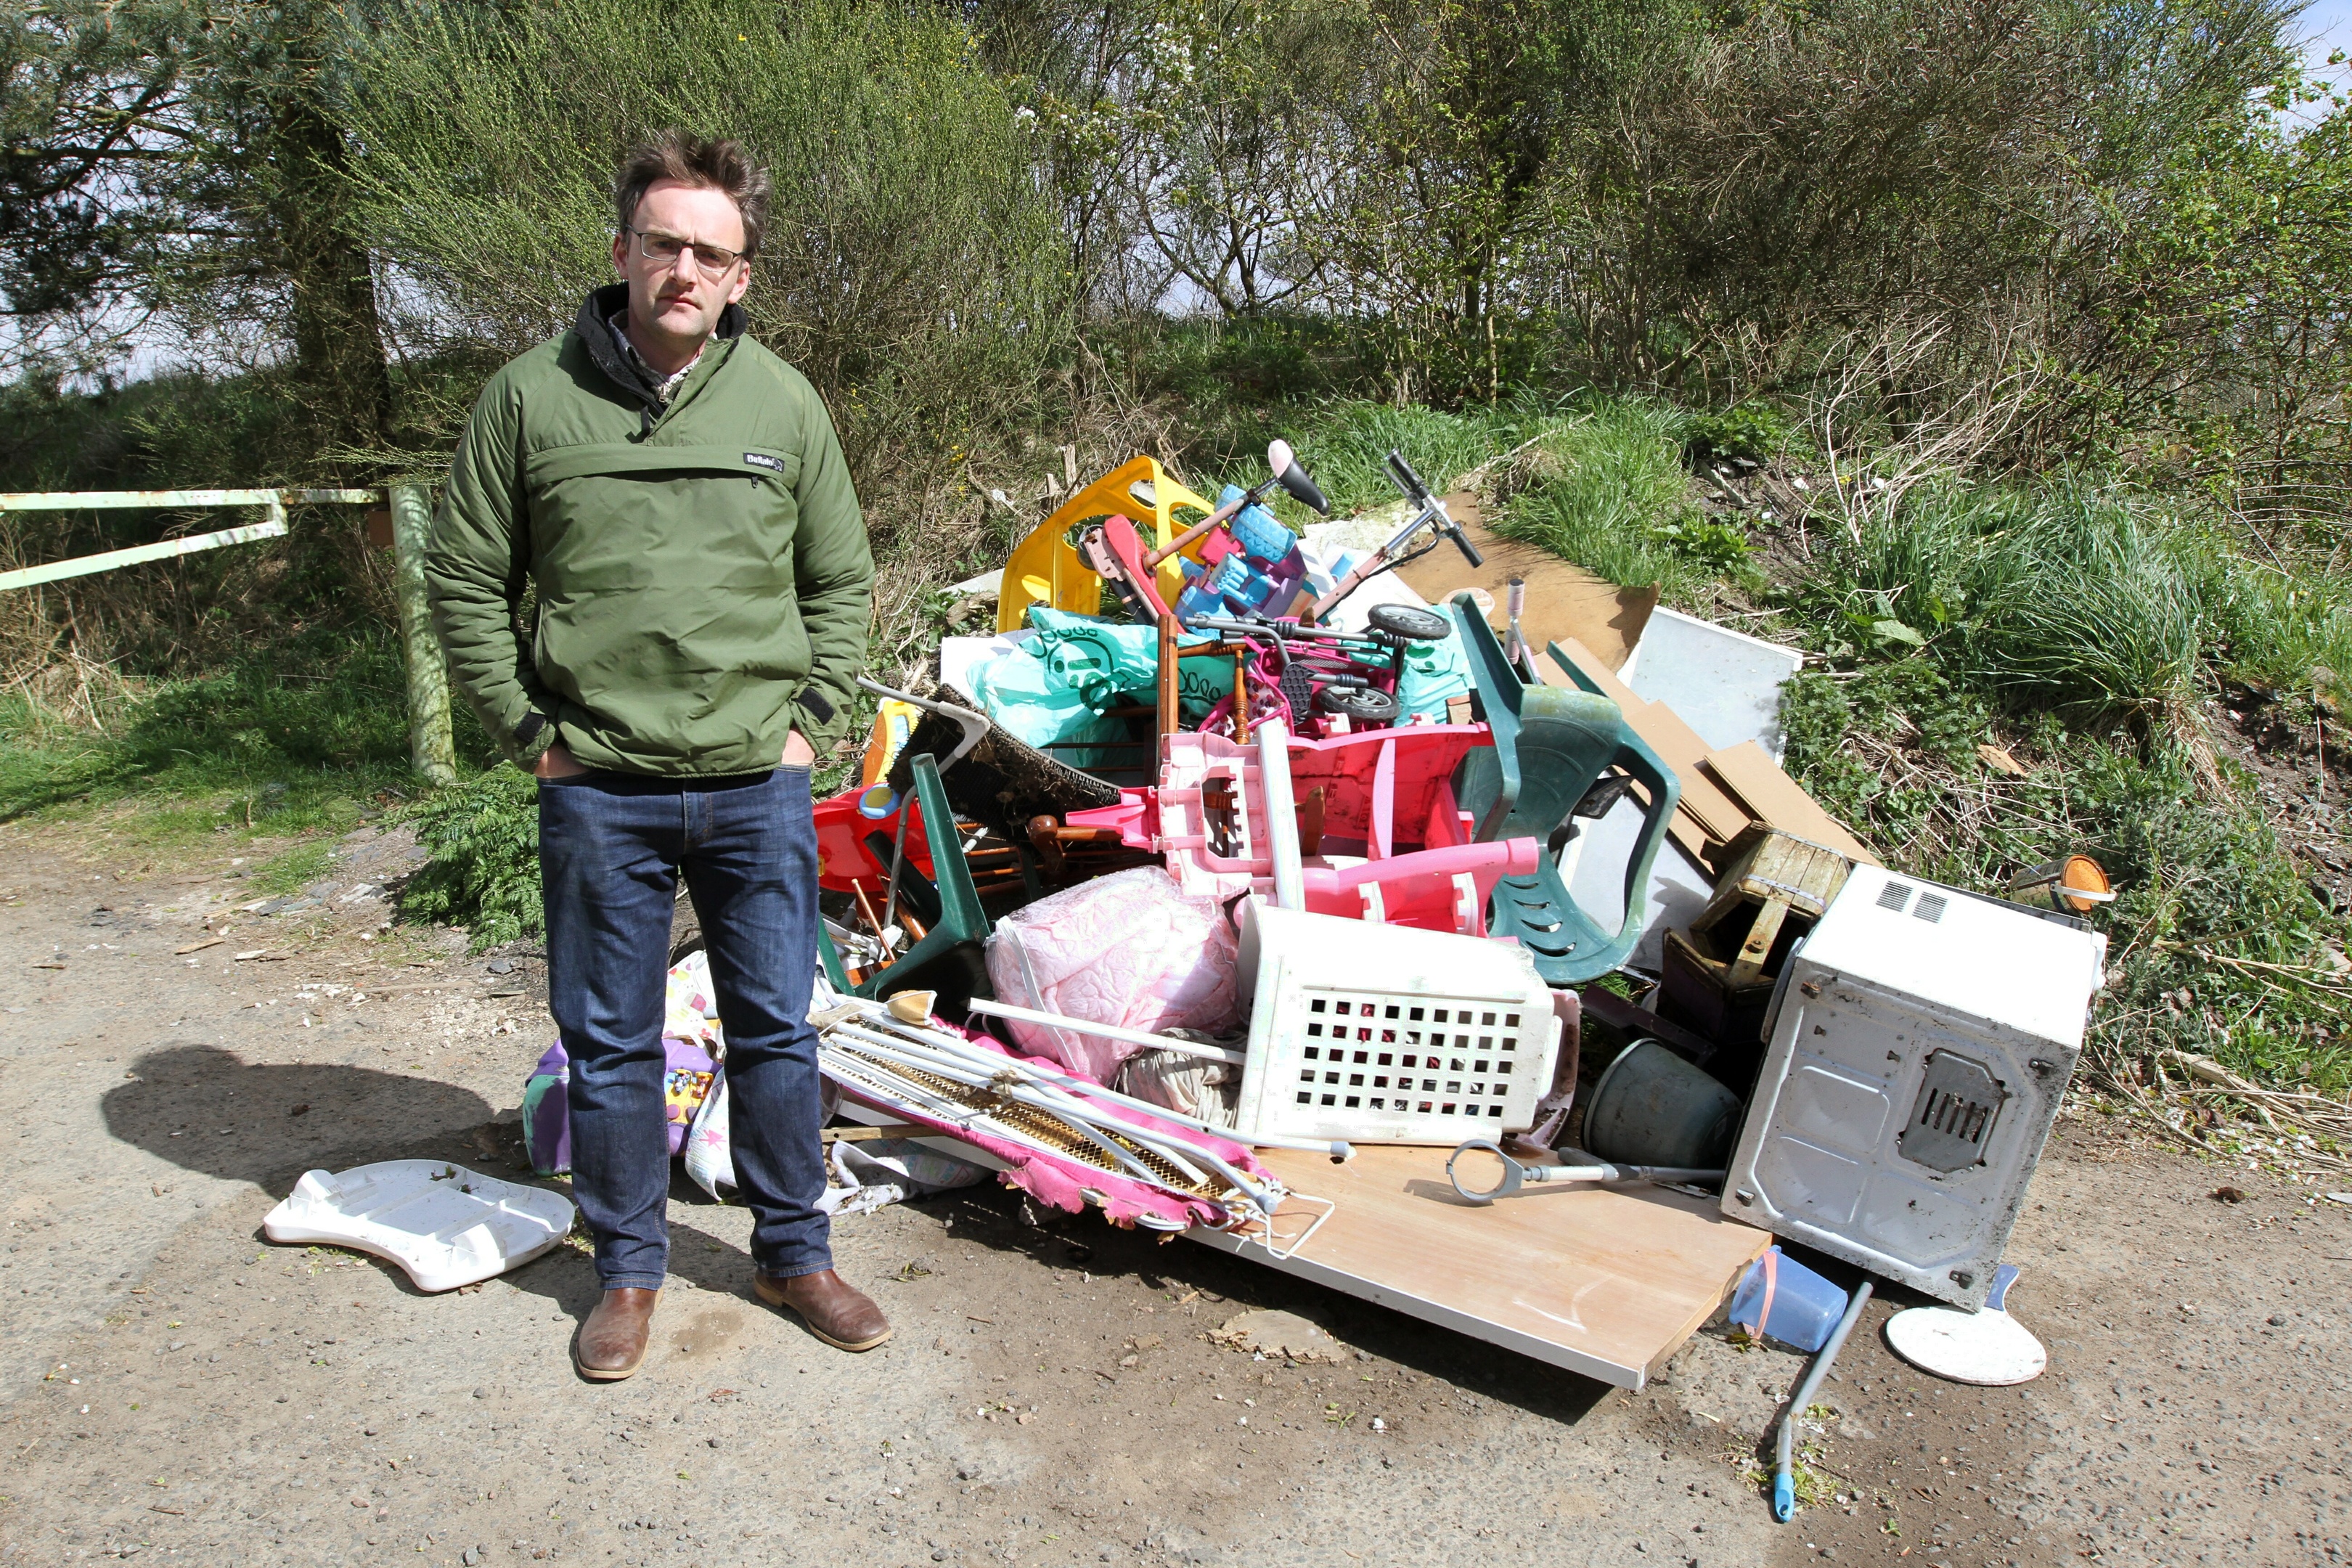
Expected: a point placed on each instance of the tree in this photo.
(163, 161)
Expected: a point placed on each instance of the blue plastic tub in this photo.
(1804, 1306)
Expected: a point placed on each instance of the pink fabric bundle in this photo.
(1130, 949)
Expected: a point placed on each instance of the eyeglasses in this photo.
(665, 248)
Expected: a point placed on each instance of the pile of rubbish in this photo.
(1237, 849)
(1229, 826)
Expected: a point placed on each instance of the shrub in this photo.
(480, 838)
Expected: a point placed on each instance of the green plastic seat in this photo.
(1551, 746)
(949, 959)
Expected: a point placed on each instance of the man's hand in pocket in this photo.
(556, 763)
(798, 754)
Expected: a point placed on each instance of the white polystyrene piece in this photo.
(958, 657)
(1989, 1348)
(443, 1224)
(1723, 684)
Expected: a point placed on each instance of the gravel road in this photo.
(173, 1388)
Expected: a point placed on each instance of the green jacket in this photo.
(703, 574)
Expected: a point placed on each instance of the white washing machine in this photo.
(1921, 1041)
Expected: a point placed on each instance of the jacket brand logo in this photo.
(761, 460)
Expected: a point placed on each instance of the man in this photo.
(677, 495)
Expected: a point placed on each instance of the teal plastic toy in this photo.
(949, 959)
(1551, 746)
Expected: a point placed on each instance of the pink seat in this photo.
(1402, 847)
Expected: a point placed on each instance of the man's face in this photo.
(677, 299)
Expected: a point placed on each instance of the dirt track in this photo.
(173, 1388)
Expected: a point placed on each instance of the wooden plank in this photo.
(1748, 772)
(1604, 1281)
(1563, 599)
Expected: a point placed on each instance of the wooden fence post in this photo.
(430, 748)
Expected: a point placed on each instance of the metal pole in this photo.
(431, 750)
(273, 527)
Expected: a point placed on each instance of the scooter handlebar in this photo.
(1407, 480)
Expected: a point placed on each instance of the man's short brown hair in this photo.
(720, 164)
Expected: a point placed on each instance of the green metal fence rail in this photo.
(431, 750)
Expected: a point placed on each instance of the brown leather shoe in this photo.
(612, 1342)
(834, 1310)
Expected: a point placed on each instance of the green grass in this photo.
(306, 736)
(1608, 492)
(2191, 872)
(293, 871)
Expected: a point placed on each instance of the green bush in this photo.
(1752, 430)
(277, 741)
(911, 268)
(480, 837)
(2073, 596)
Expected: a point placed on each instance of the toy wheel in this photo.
(1365, 704)
(1410, 623)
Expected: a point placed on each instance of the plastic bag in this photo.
(1111, 664)
(864, 1177)
(1130, 949)
(547, 1113)
(1190, 1086)
(690, 1002)
(708, 1160)
(1026, 699)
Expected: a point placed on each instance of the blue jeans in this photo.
(610, 848)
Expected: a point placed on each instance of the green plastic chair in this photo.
(949, 959)
(1551, 746)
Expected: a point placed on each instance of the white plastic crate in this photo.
(1381, 1034)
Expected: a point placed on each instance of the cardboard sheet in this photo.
(1608, 1282)
(1773, 798)
(1563, 600)
(1723, 792)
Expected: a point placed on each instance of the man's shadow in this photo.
(208, 1111)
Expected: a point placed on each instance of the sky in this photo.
(2328, 25)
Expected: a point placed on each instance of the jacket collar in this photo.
(597, 336)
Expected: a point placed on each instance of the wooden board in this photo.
(1605, 1282)
(1563, 600)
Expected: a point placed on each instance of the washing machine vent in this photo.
(1959, 1101)
(1931, 907)
(1894, 896)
